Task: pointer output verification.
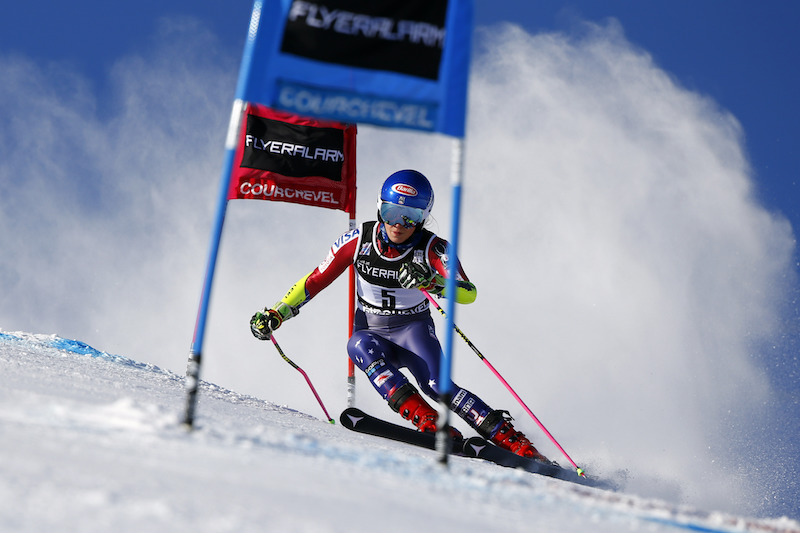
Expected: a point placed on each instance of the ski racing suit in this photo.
(393, 327)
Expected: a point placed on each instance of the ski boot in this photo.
(497, 428)
(412, 406)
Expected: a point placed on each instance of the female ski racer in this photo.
(395, 257)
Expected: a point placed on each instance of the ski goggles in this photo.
(406, 216)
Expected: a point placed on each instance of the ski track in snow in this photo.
(91, 441)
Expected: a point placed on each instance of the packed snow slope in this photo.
(91, 442)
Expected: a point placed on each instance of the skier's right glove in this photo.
(265, 322)
(414, 275)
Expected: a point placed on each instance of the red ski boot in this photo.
(412, 406)
(498, 429)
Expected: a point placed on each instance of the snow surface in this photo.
(92, 442)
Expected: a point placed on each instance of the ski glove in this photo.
(265, 322)
(416, 276)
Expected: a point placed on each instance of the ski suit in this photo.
(393, 327)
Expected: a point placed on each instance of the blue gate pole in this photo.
(443, 441)
(195, 354)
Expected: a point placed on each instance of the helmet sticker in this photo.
(402, 188)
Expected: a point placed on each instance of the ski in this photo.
(357, 420)
(483, 449)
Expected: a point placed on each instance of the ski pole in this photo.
(304, 375)
(578, 469)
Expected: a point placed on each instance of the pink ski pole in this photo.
(578, 469)
(304, 375)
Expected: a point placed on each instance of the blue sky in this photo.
(643, 268)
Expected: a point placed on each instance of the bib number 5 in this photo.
(388, 299)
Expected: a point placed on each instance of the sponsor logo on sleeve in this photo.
(335, 247)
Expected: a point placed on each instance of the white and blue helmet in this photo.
(406, 198)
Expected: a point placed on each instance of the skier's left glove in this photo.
(417, 276)
(265, 322)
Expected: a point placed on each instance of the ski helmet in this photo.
(406, 198)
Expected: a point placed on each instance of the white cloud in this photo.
(632, 255)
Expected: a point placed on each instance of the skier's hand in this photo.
(416, 276)
(264, 323)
